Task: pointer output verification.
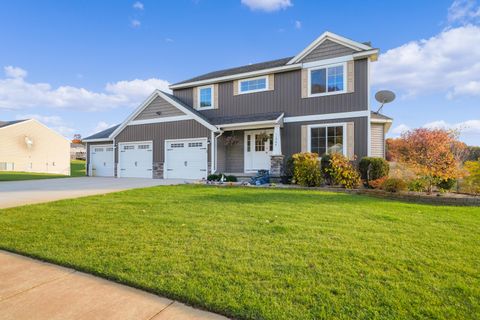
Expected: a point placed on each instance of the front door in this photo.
(258, 149)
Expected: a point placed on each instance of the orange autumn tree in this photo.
(433, 154)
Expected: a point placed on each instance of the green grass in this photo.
(254, 253)
(77, 169)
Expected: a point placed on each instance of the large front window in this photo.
(327, 80)
(327, 139)
(205, 97)
(253, 85)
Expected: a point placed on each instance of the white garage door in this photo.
(135, 160)
(101, 160)
(186, 159)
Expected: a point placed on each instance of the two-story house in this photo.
(248, 118)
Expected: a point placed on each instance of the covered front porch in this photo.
(245, 146)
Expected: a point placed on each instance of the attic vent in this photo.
(159, 112)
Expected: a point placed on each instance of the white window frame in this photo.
(199, 89)
(326, 125)
(343, 64)
(267, 85)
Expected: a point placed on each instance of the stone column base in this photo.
(276, 166)
(157, 170)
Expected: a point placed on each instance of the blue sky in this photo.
(80, 66)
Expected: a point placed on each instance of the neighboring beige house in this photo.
(28, 145)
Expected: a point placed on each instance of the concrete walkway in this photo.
(18, 193)
(30, 289)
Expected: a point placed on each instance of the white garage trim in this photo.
(90, 157)
(119, 150)
(165, 165)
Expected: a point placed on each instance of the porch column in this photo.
(277, 141)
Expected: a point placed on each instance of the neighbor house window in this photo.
(327, 139)
(327, 80)
(205, 97)
(253, 85)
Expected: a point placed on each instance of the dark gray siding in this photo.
(286, 97)
(327, 50)
(89, 145)
(159, 132)
(291, 135)
(159, 105)
(231, 158)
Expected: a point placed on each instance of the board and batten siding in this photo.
(159, 105)
(377, 140)
(159, 132)
(327, 50)
(286, 97)
(231, 158)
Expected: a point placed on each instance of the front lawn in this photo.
(253, 253)
(77, 169)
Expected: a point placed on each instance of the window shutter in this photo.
(235, 87)
(350, 76)
(215, 96)
(195, 98)
(304, 139)
(304, 83)
(350, 141)
(271, 82)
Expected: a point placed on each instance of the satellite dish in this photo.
(384, 96)
(28, 142)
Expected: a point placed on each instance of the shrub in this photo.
(342, 172)
(288, 173)
(473, 179)
(378, 183)
(446, 184)
(306, 169)
(418, 185)
(231, 179)
(325, 167)
(214, 177)
(394, 185)
(373, 168)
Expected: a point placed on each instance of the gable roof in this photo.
(4, 124)
(105, 134)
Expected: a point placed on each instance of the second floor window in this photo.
(327, 80)
(253, 85)
(205, 97)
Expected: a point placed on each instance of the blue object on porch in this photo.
(262, 177)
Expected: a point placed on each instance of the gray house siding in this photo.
(159, 105)
(231, 158)
(327, 50)
(158, 133)
(287, 97)
(89, 145)
(291, 135)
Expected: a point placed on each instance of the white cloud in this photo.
(298, 24)
(14, 72)
(18, 93)
(267, 5)
(168, 40)
(465, 127)
(463, 11)
(102, 125)
(135, 23)
(54, 122)
(448, 62)
(401, 128)
(138, 5)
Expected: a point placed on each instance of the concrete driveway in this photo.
(18, 193)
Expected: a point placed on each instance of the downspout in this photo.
(216, 150)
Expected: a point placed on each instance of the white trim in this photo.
(256, 90)
(252, 147)
(90, 173)
(120, 144)
(326, 125)
(212, 93)
(327, 62)
(213, 146)
(237, 76)
(97, 140)
(165, 163)
(328, 116)
(253, 124)
(372, 54)
(155, 94)
(326, 67)
(369, 127)
(160, 120)
(380, 120)
(332, 37)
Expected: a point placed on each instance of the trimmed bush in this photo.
(231, 179)
(377, 184)
(372, 168)
(288, 173)
(394, 185)
(325, 167)
(417, 185)
(306, 169)
(214, 177)
(342, 172)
